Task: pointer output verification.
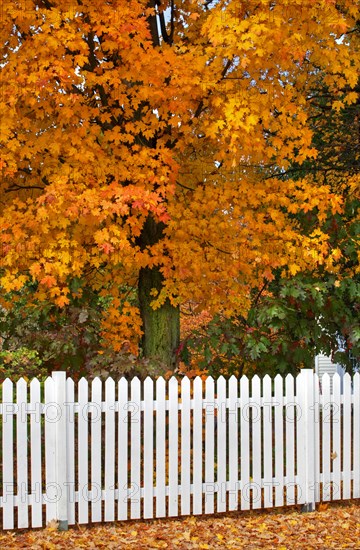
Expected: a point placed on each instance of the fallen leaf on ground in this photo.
(336, 527)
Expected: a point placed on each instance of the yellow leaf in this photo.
(294, 268)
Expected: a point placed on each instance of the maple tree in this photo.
(143, 144)
(292, 320)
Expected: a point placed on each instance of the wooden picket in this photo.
(233, 443)
(95, 410)
(35, 453)
(123, 435)
(51, 416)
(290, 417)
(109, 450)
(8, 455)
(135, 447)
(160, 448)
(21, 454)
(326, 440)
(317, 443)
(148, 448)
(221, 444)
(267, 442)
(144, 449)
(279, 441)
(185, 446)
(255, 449)
(356, 436)
(346, 443)
(197, 447)
(83, 452)
(173, 448)
(336, 443)
(209, 491)
(70, 442)
(244, 443)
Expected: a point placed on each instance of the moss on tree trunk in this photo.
(161, 326)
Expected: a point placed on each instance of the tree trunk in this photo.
(161, 326)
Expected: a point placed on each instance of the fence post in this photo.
(308, 419)
(59, 378)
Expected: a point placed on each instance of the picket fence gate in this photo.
(169, 449)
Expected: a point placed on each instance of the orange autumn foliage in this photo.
(103, 126)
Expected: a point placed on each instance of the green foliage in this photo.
(22, 362)
(290, 322)
(39, 338)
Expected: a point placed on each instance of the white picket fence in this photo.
(168, 449)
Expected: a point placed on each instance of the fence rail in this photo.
(115, 451)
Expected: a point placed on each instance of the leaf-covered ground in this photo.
(337, 526)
